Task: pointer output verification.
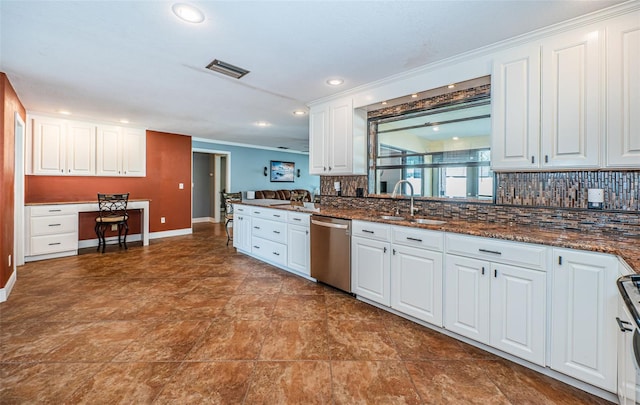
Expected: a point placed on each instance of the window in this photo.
(443, 150)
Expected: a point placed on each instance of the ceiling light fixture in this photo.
(451, 86)
(335, 82)
(414, 96)
(227, 69)
(384, 103)
(299, 112)
(455, 138)
(124, 121)
(262, 124)
(436, 129)
(188, 13)
(64, 112)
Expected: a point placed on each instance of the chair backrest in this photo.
(228, 199)
(113, 205)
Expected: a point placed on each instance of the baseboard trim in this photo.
(203, 219)
(168, 234)
(6, 290)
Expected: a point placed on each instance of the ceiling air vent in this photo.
(227, 69)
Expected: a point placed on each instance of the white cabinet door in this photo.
(515, 109)
(583, 316)
(628, 388)
(109, 158)
(370, 269)
(623, 92)
(416, 283)
(242, 232)
(466, 306)
(134, 152)
(571, 99)
(49, 147)
(340, 151)
(318, 139)
(518, 322)
(298, 249)
(81, 148)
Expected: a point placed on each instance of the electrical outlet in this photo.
(181, 186)
(162, 220)
(114, 227)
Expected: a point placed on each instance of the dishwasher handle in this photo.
(329, 224)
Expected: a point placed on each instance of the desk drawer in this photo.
(54, 243)
(45, 210)
(53, 225)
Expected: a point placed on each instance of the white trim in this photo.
(6, 290)
(51, 256)
(242, 145)
(87, 243)
(168, 234)
(202, 219)
(18, 206)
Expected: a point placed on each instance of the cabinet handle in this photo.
(55, 210)
(367, 231)
(560, 260)
(307, 232)
(55, 224)
(495, 273)
(621, 325)
(493, 252)
(276, 232)
(546, 158)
(276, 215)
(533, 159)
(54, 243)
(483, 270)
(394, 252)
(414, 239)
(276, 253)
(256, 227)
(384, 250)
(329, 168)
(297, 219)
(256, 247)
(324, 168)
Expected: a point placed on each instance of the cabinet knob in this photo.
(324, 168)
(533, 159)
(329, 168)
(546, 158)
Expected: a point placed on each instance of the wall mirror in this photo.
(440, 143)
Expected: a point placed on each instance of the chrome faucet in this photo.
(395, 193)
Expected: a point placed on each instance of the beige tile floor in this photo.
(187, 320)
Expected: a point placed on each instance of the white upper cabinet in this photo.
(121, 151)
(571, 99)
(62, 147)
(623, 92)
(336, 139)
(515, 115)
(547, 105)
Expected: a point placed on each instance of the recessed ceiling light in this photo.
(451, 86)
(124, 121)
(335, 82)
(299, 112)
(188, 13)
(455, 138)
(436, 129)
(414, 96)
(64, 112)
(384, 103)
(262, 124)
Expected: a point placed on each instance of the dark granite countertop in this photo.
(627, 248)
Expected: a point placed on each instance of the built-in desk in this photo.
(52, 228)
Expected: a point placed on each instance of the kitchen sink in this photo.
(392, 218)
(426, 221)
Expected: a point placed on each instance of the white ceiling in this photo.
(108, 60)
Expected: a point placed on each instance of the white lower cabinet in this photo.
(495, 303)
(405, 274)
(583, 316)
(241, 231)
(51, 230)
(298, 249)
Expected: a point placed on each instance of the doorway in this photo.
(18, 204)
(211, 175)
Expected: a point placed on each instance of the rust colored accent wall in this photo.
(168, 164)
(8, 107)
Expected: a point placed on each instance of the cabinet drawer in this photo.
(54, 243)
(371, 230)
(243, 209)
(521, 254)
(269, 250)
(44, 210)
(299, 218)
(271, 230)
(54, 225)
(417, 237)
(269, 213)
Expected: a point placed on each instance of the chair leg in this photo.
(119, 232)
(226, 228)
(97, 230)
(126, 232)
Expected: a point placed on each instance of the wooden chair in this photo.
(112, 210)
(228, 200)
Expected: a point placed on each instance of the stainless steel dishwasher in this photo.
(331, 251)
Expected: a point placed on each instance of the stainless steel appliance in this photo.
(331, 251)
(629, 339)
